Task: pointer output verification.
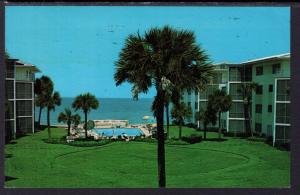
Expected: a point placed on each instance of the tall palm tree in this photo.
(69, 118)
(199, 115)
(86, 102)
(209, 116)
(246, 90)
(162, 57)
(220, 102)
(51, 100)
(180, 113)
(42, 87)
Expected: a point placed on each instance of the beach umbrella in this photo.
(146, 117)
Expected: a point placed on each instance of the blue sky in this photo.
(77, 46)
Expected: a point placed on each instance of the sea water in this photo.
(109, 108)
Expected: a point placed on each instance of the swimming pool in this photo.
(119, 131)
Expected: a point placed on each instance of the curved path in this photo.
(250, 159)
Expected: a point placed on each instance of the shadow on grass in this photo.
(8, 178)
(8, 155)
(215, 139)
(22, 135)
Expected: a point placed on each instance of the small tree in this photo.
(42, 88)
(69, 118)
(199, 116)
(246, 90)
(181, 112)
(86, 102)
(51, 100)
(209, 116)
(219, 102)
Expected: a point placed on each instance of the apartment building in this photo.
(19, 93)
(270, 107)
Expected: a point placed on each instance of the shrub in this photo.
(256, 139)
(176, 142)
(154, 135)
(192, 139)
(235, 134)
(148, 140)
(78, 142)
(191, 125)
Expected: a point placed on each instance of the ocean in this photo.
(109, 108)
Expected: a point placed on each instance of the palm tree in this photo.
(42, 87)
(199, 116)
(180, 113)
(51, 100)
(69, 118)
(246, 90)
(209, 116)
(163, 57)
(86, 102)
(220, 102)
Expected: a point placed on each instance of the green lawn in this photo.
(233, 163)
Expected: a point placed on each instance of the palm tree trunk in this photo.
(85, 126)
(160, 139)
(250, 128)
(168, 121)
(40, 114)
(48, 123)
(180, 129)
(69, 127)
(247, 122)
(205, 129)
(219, 126)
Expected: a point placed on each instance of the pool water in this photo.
(119, 131)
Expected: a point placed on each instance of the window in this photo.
(258, 127)
(270, 88)
(236, 110)
(235, 92)
(196, 105)
(24, 108)
(276, 68)
(217, 78)
(23, 91)
(196, 92)
(283, 90)
(189, 92)
(208, 91)
(258, 108)
(259, 70)
(270, 108)
(9, 110)
(189, 103)
(236, 126)
(259, 90)
(234, 74)
(9, 88)
(24, 124)
(283, 113)
(282, 133)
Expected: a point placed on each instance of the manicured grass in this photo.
(232, 163)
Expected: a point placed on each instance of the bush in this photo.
(78, 142)
(173, 141)
(154, 135)
(235, 134)
(148, 140)
(256, 139)
(191, 125)
(192, 139)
